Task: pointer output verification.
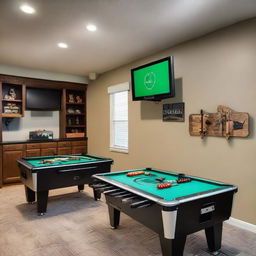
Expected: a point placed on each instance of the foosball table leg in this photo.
(30, 195)
(114, 217)
(96, 194)
(42, 198)
(172, 247)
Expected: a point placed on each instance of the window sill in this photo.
(119, 150)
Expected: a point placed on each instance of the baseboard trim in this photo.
(242, 224)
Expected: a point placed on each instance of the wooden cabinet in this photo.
(33, 152)
(64, 148)
(79, 146)
(48, 151)
(33, 146)
(64, 144)
(72, 147)
(14, 147)
(9, 171)
(10, 167)
(64, 151)
(49, 145)
(79, 143)
(79, 149)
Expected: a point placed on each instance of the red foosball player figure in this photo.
(183, 180)
(164, 185)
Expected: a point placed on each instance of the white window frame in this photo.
(111, 90)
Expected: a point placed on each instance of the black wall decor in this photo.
(174, 112)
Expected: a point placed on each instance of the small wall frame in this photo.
(174, 112)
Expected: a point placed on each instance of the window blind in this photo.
(119, 120)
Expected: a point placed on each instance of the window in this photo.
(119, 117)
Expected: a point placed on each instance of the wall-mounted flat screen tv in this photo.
(154, 81)
(43, 99)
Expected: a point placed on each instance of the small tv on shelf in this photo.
(43, 99)
(154, 81)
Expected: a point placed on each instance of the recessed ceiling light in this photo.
(91, 27)
(27, 9)
(62, 45)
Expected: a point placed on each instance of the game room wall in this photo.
(218, 68)
(19, 128)
(42, 74)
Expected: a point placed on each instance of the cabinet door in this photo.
(48, 151)
(64, 151)
(33, 152)
(64, 144)
(33, 146)
(79, 143)
(79, 149)
(49, 145)
(11, 172)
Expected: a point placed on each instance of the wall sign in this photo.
(174, 112)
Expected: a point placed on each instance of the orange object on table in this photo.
(131, 174)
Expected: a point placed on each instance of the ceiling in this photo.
(127, 30)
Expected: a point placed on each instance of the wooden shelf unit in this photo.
(73, 113)
(21, 83)
(18, 102)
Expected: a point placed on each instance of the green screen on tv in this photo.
(153, 79)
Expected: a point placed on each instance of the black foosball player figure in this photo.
(181, 176)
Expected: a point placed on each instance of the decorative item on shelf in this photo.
(225, 123)
(173, 112)
(70, 111)
(78, 111)
(75, 135)
(71, 98)
(77, 120)
(40, 134)
(69, 121)
(79, 99)
(74, 130)
(11, 95)
(11, 108)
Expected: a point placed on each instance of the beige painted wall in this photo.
(216, 69)
(41, 74)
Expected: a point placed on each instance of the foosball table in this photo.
(41, 174)
(173, 205)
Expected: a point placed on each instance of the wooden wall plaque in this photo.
(224, 123)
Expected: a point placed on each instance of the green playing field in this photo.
(60, 160)
(149, 184)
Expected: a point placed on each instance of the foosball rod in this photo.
(140, 203)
